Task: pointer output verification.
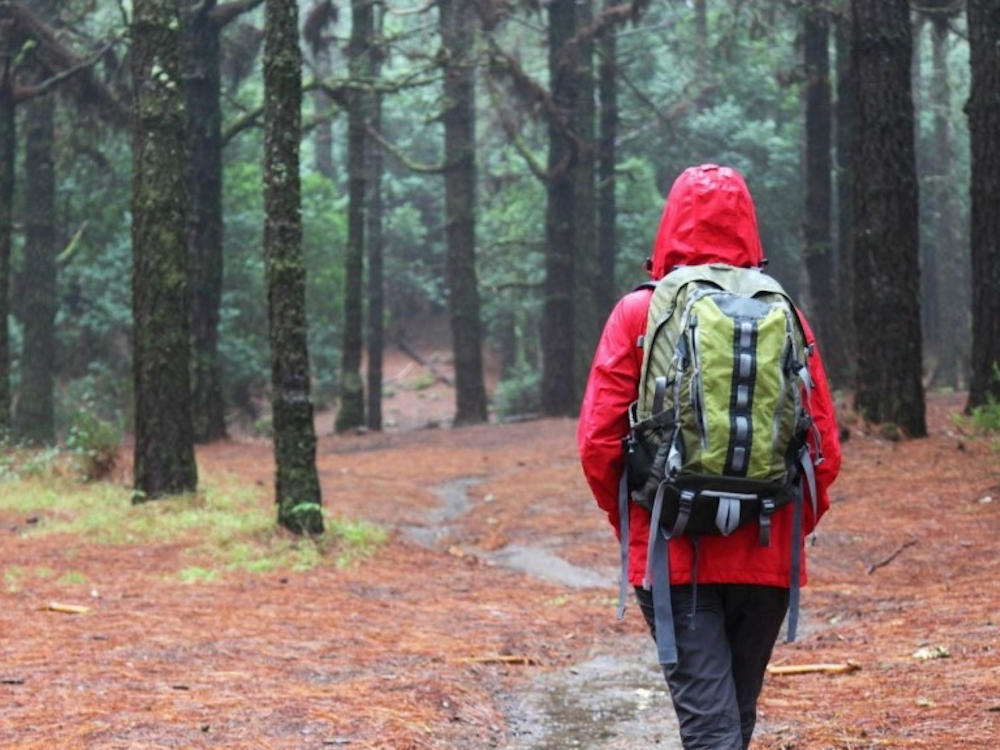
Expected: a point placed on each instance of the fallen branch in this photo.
(67, 609)
(526, 661)
(405, 348)
(793, 669)
(892, 556)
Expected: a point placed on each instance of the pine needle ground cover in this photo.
(194, 623)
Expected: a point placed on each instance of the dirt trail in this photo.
(611, 700)
(488, 618)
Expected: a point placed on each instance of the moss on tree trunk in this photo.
(297, 483)
(164, 450)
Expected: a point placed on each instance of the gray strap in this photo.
(807, 382)
(696, 547)
(806, 462)
(727, 515)
(766, 509)
(623, 529)
(793, 592)
(654, 524)
(683, 513)
(663, 614)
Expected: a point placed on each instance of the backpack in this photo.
(717, 435)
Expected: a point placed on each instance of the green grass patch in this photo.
(13, 579)
(229, 523)
(196, 574)
(72, 578)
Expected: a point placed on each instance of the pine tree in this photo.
(297, 491)
(164, 440)
(984, 131)
(887, 270)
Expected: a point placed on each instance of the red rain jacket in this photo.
(709, 217)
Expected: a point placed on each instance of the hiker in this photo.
(728, 594)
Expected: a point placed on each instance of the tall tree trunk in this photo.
(7, 145)
(202, 87)
(701, 42)
(887, 274)
(607, 162)
(352, 398)
(458, 41)
(34, 422)
(844, 113)
(164, 441)
(376, 280)
(819, 193)
(323, 132)
(297, 490)
(949, 291)
(587, 319)
(318, 22)
(983, 109)
(558, 319)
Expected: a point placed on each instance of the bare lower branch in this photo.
(24, 93)
(405, 160)
(413, 11)
(224, 14)
(514, 135)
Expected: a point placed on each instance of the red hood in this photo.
(709, 217)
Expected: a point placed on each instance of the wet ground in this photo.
(611, 701)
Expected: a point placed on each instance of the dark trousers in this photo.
(721, 660)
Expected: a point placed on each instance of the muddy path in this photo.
(612, 699)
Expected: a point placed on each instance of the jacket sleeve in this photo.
(825, 419)
(611, 387)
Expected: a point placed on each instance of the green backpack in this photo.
(718, 432)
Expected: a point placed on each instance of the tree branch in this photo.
(414, 11)
(516, 141)
(405, 160)
(891, 556)
(251, 118)
(608, 17)
(247, 120)
(24, 93)
(221, 15)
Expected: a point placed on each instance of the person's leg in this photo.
(701, 684)
(753, 620)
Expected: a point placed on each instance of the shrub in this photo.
(986, 417)
(520, 393)
(95, 443)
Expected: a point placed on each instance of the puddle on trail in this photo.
(455, 503)
(615, 701)
(610, 702)
(536, 562)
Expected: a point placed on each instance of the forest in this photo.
(228, 228)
